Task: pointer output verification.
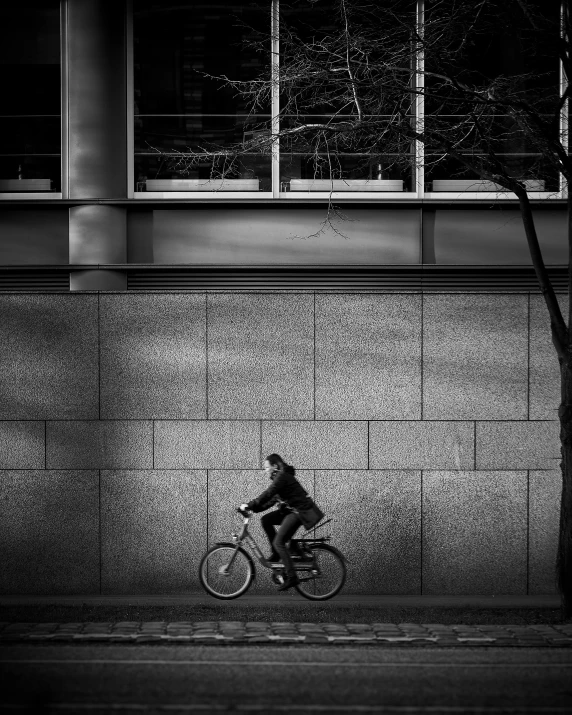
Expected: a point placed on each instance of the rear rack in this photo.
(323, 523)
(316, 538)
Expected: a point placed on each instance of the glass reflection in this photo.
(30, 113)
(184, 109)
(362, 153)
(505, 53)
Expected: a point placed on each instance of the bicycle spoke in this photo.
(330, 577)
(226, 572)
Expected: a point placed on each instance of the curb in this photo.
(289, 599)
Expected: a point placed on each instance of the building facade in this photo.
(163, 332)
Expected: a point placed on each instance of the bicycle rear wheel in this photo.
(330, 576)
(226, 572)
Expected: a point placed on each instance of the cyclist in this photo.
(295, 508)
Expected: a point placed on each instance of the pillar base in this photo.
(98, 279)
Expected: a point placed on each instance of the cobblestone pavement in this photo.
(221, 632)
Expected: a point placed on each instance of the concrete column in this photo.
(97, 129)
(97, 236)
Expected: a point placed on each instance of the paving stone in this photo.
(147, 638)
(388, 635)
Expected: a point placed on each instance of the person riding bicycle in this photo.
(295, 508)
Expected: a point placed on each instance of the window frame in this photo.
(64, 177)
(420, 193)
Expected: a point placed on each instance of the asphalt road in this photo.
(267, 679)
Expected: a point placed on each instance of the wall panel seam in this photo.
(99, 533)
(314, 355)
(421, 534)
(207, 355)
(528, 532)
(98, 356)
(422, 360)
(528, 362)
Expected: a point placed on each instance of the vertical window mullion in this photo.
(275, 104)
(420, 106)
(564, 123)
(64, 103)
(130, 99)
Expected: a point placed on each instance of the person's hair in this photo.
(276, 461)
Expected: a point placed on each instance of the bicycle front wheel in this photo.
(326, 578)
(226, 571)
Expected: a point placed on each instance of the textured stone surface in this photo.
(153, 356)
(22, 445)
(368, 357)
(49, 526)
(517, 445)
(474, 357)
(228, 489)
(200, 444)
(109, 444)
(317, 445)
(544, 372)
(260, 356)
(474, 533)
(376, 525)
(421, 445)
(153, 530)
(544, 517)
(48, 354)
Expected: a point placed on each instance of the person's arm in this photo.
(267, 498)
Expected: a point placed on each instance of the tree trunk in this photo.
(564, 559)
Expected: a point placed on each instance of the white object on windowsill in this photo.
(202, 185)
(482, 185)
(346, 185)
(17, 185)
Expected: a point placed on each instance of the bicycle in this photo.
(227, 570)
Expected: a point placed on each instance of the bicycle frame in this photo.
(320, 567)
(245, 538)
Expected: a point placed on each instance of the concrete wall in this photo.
(132, 424)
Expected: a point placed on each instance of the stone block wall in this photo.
(132, 424)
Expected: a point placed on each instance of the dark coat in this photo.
(289, 494)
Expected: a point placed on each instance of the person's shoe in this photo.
(290, 581)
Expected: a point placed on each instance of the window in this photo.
(500, 47)
(30, 102)
(180, 49)
(191, 127)
(343, 156)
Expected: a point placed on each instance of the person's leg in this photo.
(286, 531)
(269, 521)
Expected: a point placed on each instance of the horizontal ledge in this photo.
(374, 268)
(289, 199)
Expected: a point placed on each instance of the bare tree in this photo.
(350, 81)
